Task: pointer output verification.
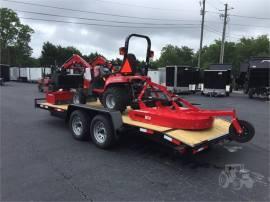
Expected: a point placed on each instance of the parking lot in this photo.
(40, 161)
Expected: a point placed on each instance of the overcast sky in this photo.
(174, 22)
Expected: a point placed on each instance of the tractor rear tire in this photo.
(116, 98)
(79, 97)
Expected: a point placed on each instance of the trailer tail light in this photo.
(172, 140)
(144, 130)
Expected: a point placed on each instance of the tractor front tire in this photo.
(116, 98)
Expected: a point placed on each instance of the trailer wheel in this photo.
(247, 134)
(79, 124)
(115, 98)
(79, 97)
(101, 132)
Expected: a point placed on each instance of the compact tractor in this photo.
(150, 103)
(115, 89)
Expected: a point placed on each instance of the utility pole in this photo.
(221, 57)
(202, 28)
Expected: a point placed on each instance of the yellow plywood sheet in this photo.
(189, 137)
(64, 107)
(129, 121)
(192, 138)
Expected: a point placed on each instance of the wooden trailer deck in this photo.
(188, 137)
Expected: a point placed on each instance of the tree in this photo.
(91, 56)
(14, 39)
(235, 53)
(56, 55)
(210, 54)
(173, 55)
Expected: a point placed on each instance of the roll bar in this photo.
(149, 53)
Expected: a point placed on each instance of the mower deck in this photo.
(191, 138)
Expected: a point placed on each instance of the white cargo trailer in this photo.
(157, 76)
(14, 73)
(34, 74)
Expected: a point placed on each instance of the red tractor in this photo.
(98, 79)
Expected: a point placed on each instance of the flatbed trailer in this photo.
(104, 127)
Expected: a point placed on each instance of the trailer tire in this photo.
(79, 97)
(247, 134)
(115, 98)
(79, 124)
(101, 131)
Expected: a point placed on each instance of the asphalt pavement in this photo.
(40, 161)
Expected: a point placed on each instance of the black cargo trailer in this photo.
(258, 77)
(4, 72)
(182, 79)
(242, 76)
(217, 80)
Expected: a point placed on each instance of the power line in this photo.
(92, 12)
(213, 6)
(211, 29)
(219, 33)
(245, 25)
(128, 22)
(100, 20)
(241, 16)
(252, 17)
(106, 25)
(141, 6)
(125, 16)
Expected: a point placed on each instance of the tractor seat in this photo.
(129, 65)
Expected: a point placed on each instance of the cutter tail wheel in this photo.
(246, 135)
